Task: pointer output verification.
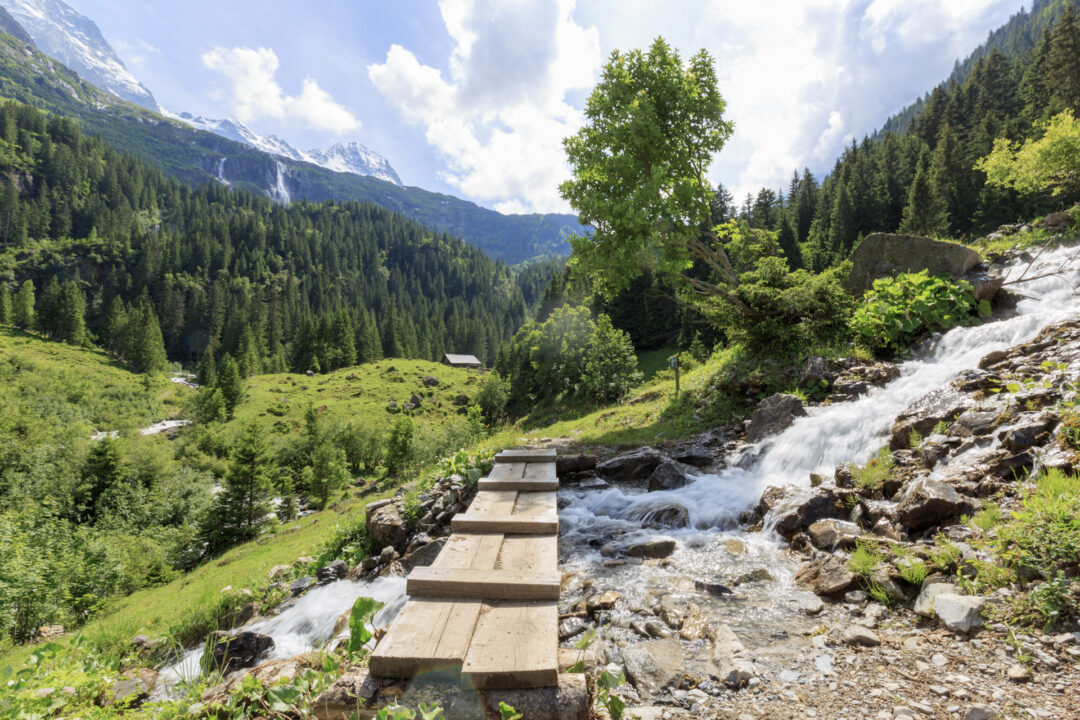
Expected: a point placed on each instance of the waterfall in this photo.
(221, 172)
(280, 193)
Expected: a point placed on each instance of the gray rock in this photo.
(1021, 438)
(883, 579)
(729, 657)
(827, 534)
(756, 575)
(885, 255)
(713, 588)
(974, 422)
(632, 466)
(667, 476)
(925, 603)
(827, 575)
(959, 613)
(340, 701)
(300, 585)
(653, 665)
(923, 415)
(386, 526)
(570, 464)
(979, 712)
(1018, 673)
(859, 635)
(1057, 221)
(334, 571)
(794, 510)
(571, 626)
(929, 502)
(569, 700)
(992, 358)
(430, 381)
(808, 603)
(661, 514)
(773, 414)
(697, 456)
(658, 548)
(816, 373)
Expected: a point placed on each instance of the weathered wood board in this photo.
(483, 584)
(514, 645)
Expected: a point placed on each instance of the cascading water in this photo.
(712, 548)
(280, 192)
(307, 623)
(221, 172)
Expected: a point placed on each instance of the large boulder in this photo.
(661, 514)
(922, 416)
(828, 575)
(570, 464)
(773, 414)
(929, 502)
(387, 527)
(653, 665)
(633, 466)
(231, 652)
(667, 476)
(831, 533)
(886, 255)
(790, 510)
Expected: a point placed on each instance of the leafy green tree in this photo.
(1050, 164)
(610, 364)
(399, 445)
(639, 165)
(23, 306)
(492, 396)
(241, 509)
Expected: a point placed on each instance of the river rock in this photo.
(960, 613)
(334, 571)
(974, 422)
(424, 555)
(653, 665)
(661, 514)
(860, 636)
(828, 575)
(633, 466)
(696, 455)
(344, 699)
(386, 526)
(773, 414)
(233, 652)
(133, 689)
(729, 657)
(658, 548)
(571, 464)
(808, 603)
(299, 585)
(796, 510)
(985, 285)
(925, 603)
(1022, 437)
(924, 414)
(667, 476)
(832, 533)
(882, 255)
(929, 502)
(571, 626)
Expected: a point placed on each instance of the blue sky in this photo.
(472, 97)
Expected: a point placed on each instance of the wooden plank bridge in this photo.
(488, 605)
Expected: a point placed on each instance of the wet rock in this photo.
(832, 533)
(827, 575)
(232, 652)
(571, 464)
(816, 373)
(960, 613)
(386, 526)
(795, 510)
(986, 285)
(1022, 437)
(851, 387)
(974, 422)
(859, 636)
(633, 466)
(667, 476)
(773, 414)
(658, 548)
(300, 585)
(653, 665)
(1012, 466)
(735, 547)
(604, 601)
(929, 502)
(808, 603)
(886, 255)
(571, 626)
(661, 514)
(755, 575)
(341, 700)
(843, 476)
(713, 588)
(697, 456)
(334, 571)
(940, 405)
(694, 625)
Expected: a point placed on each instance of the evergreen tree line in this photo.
(917, 176)
(115, 250)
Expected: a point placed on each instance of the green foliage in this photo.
(507, 712)
(871, 475)
(400, 450)
(606, 682)
(362, 443)
(492, 397)
(652, 127)
(240, 509)
(610, 364)
(23, 306)
(898, 309)
(865, 559)
(1050, 164)
(363, 611)
(945, 555)
(913, 570)
(1070, 428)
(986, 518)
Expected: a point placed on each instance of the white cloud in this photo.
(501, 113)
(254, 92)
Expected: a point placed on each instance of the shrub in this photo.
(399, 446)
(871, 475)
(363, 445)
(610, 365)
(898, 309)
(865, 559)
(492, 396)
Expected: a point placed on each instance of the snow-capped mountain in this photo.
(354, 158)
(349, 157)
(73, 39)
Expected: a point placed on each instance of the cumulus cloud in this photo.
(499, 115)
(253, 91)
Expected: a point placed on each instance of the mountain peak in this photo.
(61, 32)
(355, 158)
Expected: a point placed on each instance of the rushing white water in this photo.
(221, 172)
(280, 192)
(308, 623)
(833, 434)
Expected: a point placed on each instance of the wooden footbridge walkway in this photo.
(488, 604)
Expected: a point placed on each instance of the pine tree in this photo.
(925, 210)
(842, 229)
(144, 347)
(240, 510)
(1063, 60)
(230, 383)
(114, 327)
(48, 310)
(206, 374)
(5, 304)
(23, 306)
(788, 242)
(72, 315)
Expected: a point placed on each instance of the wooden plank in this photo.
(467, 523)
(540, 471)
(536, 505)
(508, 471)
(494, 503)
(514, 645)
(440, 582)
(529, 553)
(519, 485)
(479, 551)
(529, 455)
(426, 635)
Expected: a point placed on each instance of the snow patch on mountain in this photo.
(72, 38)
(349, 157)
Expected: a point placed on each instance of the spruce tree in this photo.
(23, 306)
(144, 348)
(842, 231)
(72, 315)
(1063, 60)
(5, 304)
(240, 510)
(925, 212)
(230, 383)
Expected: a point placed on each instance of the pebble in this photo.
(857, 635)
(939, 690)
(1018, 673)
(979, 712)
(939, 660)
